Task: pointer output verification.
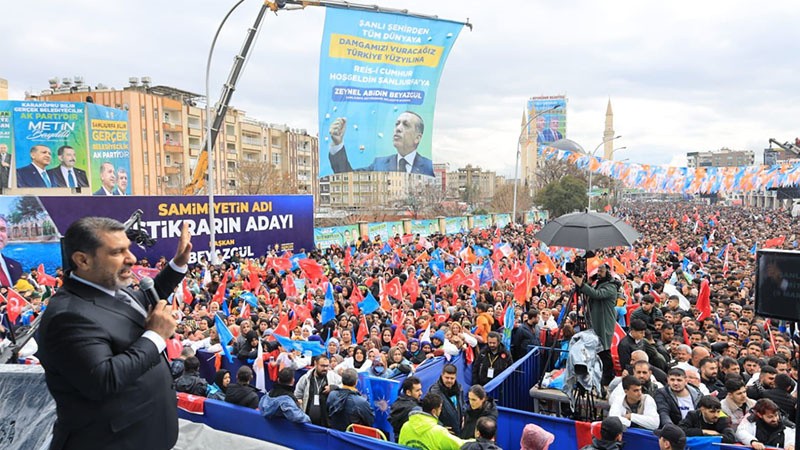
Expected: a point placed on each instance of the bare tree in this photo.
(550, 170)
(264, 178)
(503, 201)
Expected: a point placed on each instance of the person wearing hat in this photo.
(601, 292)
(671, 437)
(707, 421)
(610, 435)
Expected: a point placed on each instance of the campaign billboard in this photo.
(249, 225)
(49, 142)
(385, 230)
(109, 150)
(6, 145)
(453, 225)
(378, 78)
(341, 236)
(424, 228)
(552, 125)
(481, 221)
(501, 220)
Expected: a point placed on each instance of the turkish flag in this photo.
(301, 312)
(285, 326)
(774, 242)
(398, 332)
(363, 331)
(194, 404)
(395, 289)
(704, 300)
(355, 298)
(279, 264)
(255, 282)
(673, 246)
(140, 272)
(472, 282)
(518, 274)
(311, 268)
(188, 298)
(289, 288)
(348, 260)
(43, 278)
(384, 295)
(411, 287)
(522, 290)
(619, 333)
(219, 296)
(15, 304)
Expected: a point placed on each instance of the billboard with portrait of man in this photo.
(379, 74)
(49, 144)
(6, 146)
(550, 126)
(109, 148)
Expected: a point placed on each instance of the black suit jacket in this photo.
(14, 269)
(57, 178)
(28, 176)
(113, 389)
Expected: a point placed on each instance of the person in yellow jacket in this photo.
(422, 430)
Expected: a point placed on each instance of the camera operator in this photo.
(601, 292)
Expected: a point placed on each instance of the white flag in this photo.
(258, 368)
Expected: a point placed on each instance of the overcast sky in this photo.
(681, 75)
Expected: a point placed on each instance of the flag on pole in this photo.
(508, 324)
(225, 337)
(328, 311)
(258, 368)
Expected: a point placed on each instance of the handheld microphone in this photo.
(148, 287)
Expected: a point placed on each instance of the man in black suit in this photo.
(101, 345)
(35, 174)
(5, 166)
(66, 174)
(408, 130)
(10, 269)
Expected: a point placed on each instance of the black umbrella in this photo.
(587, 230)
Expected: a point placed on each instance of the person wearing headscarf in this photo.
(219, 387)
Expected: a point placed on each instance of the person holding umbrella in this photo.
(601, 292)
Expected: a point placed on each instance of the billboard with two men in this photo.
(73, 145)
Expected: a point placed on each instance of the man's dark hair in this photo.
(764, 406)
(784, 382)
(630, 381)
(709, 401)
(409, 383)
(769, 369)
(638, 325)
(641, 362)
(349, 377)
(733, 384)
(60, 151)
(449, 368)
(317, 358)
(707, 360)
(487, 427)
(481, 307)
(286, 375)
(676, 372)
(751, 358)
(728, 362)
(430, 402)
(533, 312)
(191, 364)
(494, 335)
(84, 236)
(244, 375)
(775, 360)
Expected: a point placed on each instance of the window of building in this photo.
(276, 141)
(231, 147)
(276, 159)
(145, 158)
(230, 130)
(144, 134)
(144, 112)
(155, 114)
(168, 159)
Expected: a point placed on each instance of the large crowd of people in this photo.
(695, 357)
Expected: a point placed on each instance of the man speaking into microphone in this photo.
(101, 344)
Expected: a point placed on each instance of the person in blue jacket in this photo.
(281, 402)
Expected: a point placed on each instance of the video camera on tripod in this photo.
(135, 232)
(577, 267)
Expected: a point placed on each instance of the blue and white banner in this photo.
(378, 78)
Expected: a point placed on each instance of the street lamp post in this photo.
(589, 188)
(516, 163)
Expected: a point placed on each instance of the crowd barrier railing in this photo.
(509, 388)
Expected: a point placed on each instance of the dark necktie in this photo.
(403, 165)
(71, 179)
